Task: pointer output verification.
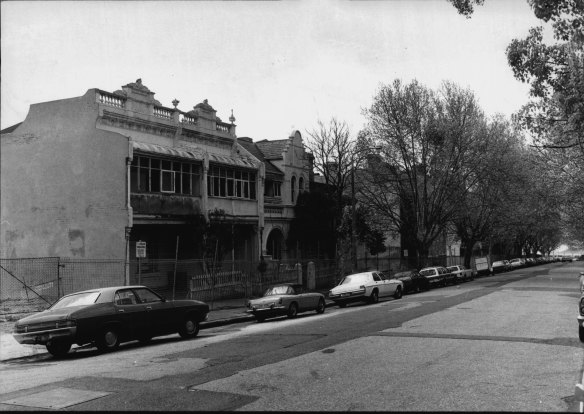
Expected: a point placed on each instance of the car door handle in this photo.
(148, 308)
(121, 310)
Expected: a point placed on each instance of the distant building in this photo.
(89, 177)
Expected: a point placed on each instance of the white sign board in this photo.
(140, 249)
(481, 263)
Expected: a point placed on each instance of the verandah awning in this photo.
(194, 154)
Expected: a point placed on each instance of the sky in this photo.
(280, 66)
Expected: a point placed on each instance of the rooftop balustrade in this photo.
(110, 99)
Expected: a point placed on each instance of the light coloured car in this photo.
(366, 286)
(500, 266)
(286, 299)
(516, 263)
(438, 276)
(461, 272)
(581, 308)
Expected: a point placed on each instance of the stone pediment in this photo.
(138, 92)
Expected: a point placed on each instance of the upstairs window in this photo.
(273, 188)
(293, 188)
(229, 182)
(154, 175)
(300, 185)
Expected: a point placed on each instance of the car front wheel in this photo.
(293, 310)
(58, 348)
(108, 340)
(374, 298)
(398, 293)
(321, 306)
(189, 328)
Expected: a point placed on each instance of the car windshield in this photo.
(79, 299)
(357, 278)
(278, 290)
(452, 269)
(427, 272)
(401, 274)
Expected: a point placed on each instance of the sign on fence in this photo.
(140, 249)
(482, 264)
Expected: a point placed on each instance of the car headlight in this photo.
(65, 324)
(362, 287)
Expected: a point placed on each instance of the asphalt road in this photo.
(501, 343)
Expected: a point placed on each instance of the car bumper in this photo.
(267, 312)
(346, 297)
(42, 337)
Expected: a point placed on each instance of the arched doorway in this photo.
(274, 244)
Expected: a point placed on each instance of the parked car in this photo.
(438, 276)
(516, 263)
(109, 316)
(461, 272)
(286, 299)
(500, 266)
(581, 317)
(412, 281)
(366, 286)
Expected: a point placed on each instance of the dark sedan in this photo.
(413, 281)
(108, 316)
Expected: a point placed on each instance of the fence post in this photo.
(298, 267)
(58, 278)
(310, 276)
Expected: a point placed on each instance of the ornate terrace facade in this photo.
(90, 176)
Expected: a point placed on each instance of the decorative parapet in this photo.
(188, 119)
(162, 112)
(222, 127)
(135, 100)
(111, 99)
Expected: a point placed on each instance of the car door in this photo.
(382, 284)
(158, 313)
(301, 298)
(130, 314)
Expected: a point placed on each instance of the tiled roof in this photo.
(272, 150)
(254, 149)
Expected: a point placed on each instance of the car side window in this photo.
(147, 296)
(125, 297)
(376, 277)
(383, 276)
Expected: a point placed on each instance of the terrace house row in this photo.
(88, 177)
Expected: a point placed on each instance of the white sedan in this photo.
(366, 286)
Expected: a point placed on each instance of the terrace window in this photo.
(154, 175)
(230, 182)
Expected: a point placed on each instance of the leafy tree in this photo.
(426, 159)
(554, 117)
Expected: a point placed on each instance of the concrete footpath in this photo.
(222, 312)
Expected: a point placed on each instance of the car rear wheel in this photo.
(108, 340)
(398, 293)
(293, 310)
(189, 328)
(374, 298)
(321, 306)
(58, 348)
(581, 333)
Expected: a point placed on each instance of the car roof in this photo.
(107, 289)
